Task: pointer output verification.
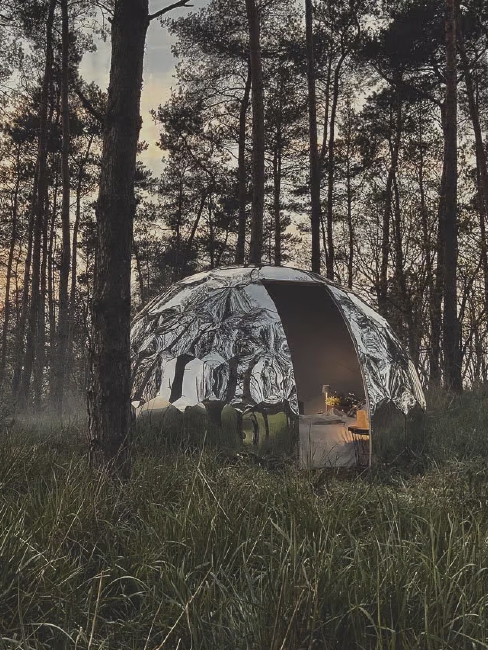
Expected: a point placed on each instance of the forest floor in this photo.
(201, 550)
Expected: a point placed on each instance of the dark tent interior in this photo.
(321, 347)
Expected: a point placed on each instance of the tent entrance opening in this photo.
(326, 366)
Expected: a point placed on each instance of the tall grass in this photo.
(202, 551)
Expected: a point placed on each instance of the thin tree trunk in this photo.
(74, 256)
(350, 225)
(34, 336)
(424, 215)
(324, 236)
(429, 282)
(40, 360)
(60, 359)
(323, 149)
(385, 238)
(257, 212)
(451, 326)
(140, 277)
(179, 258)
(277, 201)
(24, 306)
(109, 394)
(211, 235)
(316, 214)
(51, 279)
(405, 299)
(331, 171)
(481, 160)
(438, 288)
(18, 292)
(241, 231)
(8, 278)
(193, 232)
(223, 247)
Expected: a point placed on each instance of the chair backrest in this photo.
(362, 418)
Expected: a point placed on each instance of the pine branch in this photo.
(165, 10)
(87, 105)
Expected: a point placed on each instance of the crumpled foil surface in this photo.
(218, 336)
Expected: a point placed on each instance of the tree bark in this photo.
(8, 278)
(481, 159)
(109, 394)
(40, 358)
(51, 283)
(323, 149)
(331, 171)
(24, 304)
(74, 256)
(277, 200)
(193, 232)
(241, 231)
(451, 326)
(404, 295)
(349, 198)
(424, 213)
(63, 313)
(257, 212)
(438, 289)
(316, 214)
(140, 277)
(385, 239)
(211, 233)
(39, 210)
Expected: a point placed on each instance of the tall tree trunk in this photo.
(331, 171)
(140, 276)
(277, 199)
(109, 394)
(257, 212)
(316, 215)
(349, 199)
(424, 213)
(385, 238)
(180, 258)
(211, 233)
(74, 256)
(24, 304)
(60, 359)
(481, 159)
(323, 149)
(194, 228)
(405, 299)
(451, 326)
(18, 292)
(51, 281)
(438, 287)
(241, 170)
(10, 260)
(40, 360)
(428, 287)
(34, 337)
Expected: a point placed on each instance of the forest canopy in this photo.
(347, 137)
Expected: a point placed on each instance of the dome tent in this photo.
(267, 340)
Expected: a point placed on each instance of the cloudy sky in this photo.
(159, 67)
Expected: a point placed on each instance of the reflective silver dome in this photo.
(270, 337)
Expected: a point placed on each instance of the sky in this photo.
(159, 68)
